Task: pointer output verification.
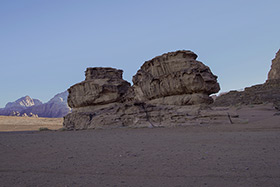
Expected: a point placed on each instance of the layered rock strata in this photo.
(102, 86)
(269, 92)
(169, 90)
(175, 78)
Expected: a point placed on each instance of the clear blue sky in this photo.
(46, 45)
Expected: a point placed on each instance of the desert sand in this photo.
(244, 154)
(14, 123)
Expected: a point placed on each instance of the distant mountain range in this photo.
(26, 106)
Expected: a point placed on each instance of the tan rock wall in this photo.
(274, 72)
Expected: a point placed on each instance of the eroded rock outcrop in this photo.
(175, 78)
(269, 92)
(274, 72)
(102, 86)
(170, 90)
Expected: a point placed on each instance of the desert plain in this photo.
(244, 154)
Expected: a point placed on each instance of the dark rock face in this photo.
(269, 92)
(168, 90)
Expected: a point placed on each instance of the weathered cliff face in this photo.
(102, 86)
(169, 90)
(274, 72)
(269, 92)
(175, 78)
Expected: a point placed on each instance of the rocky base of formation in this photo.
(170, 90)
(147, 115)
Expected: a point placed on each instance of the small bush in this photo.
(44, 129)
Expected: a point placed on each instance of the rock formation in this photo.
(175, 78)
(274, 73)
(102, 86)
(170, 90)
(269, 92)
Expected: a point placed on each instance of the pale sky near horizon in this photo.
(45, 46)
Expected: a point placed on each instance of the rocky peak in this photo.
(256, 94)
(59, 98)
(23, 102)
(274, 72)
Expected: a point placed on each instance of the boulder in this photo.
(175, 78)
(102, 86)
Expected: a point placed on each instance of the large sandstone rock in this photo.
(102, 86)
(274, 72)
(169, 90)
(175, 78)
(269, 92)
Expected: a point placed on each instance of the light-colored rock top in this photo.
(170, 56)
(274, 72)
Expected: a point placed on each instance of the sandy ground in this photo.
(13, 123)
(208, 155)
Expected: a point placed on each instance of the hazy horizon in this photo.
(47, 45)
